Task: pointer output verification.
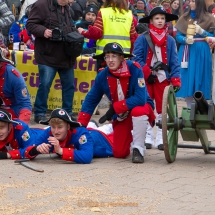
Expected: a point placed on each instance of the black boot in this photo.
(137, 157)
(148, 145)
(37, 119)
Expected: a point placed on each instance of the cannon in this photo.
(192, 123)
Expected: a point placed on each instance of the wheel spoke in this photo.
(169, 112)
(173, 140)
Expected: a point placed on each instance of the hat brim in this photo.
(169, 17)
(73, 124)
(10, 121)
(101, 56)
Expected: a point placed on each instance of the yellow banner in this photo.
(84, 72)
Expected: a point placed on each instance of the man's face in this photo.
(140, 5)
(166, 5)
(63, 2)
(90, 17)
(5, 129)
(113, 61)
(60, 131)
(158, 20)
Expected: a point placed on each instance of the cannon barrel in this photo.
(201, 103)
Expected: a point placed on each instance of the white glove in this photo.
(199, 30)
(190, 40)
(210, 39)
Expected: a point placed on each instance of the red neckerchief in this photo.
(63, 144)
(122, 70)
(158, 36)
(7, 140)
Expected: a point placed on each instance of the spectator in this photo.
(19, 28)
(70, 141)
(141, 9)
(131, 107)
(90, 13)
(164, 53)
(16, 137)
(14, 93)
(176, 7)
(196, 71)
(123, 31)
(24, 6)
(166, 5)
(151, 4)
(6, 19)
(186, 5)
(50, 52)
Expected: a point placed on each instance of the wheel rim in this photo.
(169, 113)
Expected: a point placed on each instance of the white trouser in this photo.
(149, 135)
(106, 128)
(159, 135)
(140, 124)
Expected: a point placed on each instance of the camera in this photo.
(56, 35)
(159, 66)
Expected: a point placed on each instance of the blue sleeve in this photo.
(15, 30)
(207, 34)
(173, 59)
(140, 50)
(83, 143)
(181, 38)
(19, 90)
(26, 137)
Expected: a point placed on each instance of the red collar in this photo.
(122, 70)
(63, 143)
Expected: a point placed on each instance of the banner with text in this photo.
(84, 72)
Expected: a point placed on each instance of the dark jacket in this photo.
(44, 15)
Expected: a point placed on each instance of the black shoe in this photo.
(160, 147)
(73, 118)
(148, 145)
(37, 119)
(137, 157)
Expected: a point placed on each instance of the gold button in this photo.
(17, 154)
(70, 157)
(69, 149)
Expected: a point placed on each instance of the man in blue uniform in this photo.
(70, 140)
(131, 107)
(16, 138)
(14, 96)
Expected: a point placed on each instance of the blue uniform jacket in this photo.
(141, 51)
(83, 145)
(24, 137)
(14, 93)
(137, 95)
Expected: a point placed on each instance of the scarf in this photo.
(63, 143)
(205, 23)
(122, 70)
(158, 36)
(193, 14)
(7, 140)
